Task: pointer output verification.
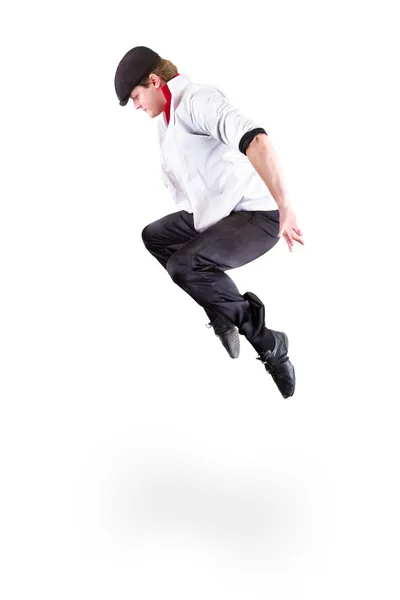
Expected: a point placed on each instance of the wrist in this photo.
(283, 202)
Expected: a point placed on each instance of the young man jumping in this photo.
(224, 176)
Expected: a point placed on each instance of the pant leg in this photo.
(164, 237)
(167, 235)
(199, 268)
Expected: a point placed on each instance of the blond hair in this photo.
(165, 70)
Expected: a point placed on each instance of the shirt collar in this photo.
(167, 94)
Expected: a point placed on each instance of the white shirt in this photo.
(201, 163)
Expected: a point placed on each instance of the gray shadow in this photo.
(250, 512)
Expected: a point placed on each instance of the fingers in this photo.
(298, 239)
(291, 238)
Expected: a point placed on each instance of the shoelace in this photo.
(272, 368)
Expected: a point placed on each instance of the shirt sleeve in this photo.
(248, 137)
(212, 114)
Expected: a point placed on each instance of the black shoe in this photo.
(228, 334)
(278, 365)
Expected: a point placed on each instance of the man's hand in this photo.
(288, 226)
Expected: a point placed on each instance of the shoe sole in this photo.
(228, 349)
(286, 340)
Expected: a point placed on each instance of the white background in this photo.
(137, 459)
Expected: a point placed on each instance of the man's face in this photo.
(151, 99)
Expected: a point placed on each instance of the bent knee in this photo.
(178, 266)
(148, 235)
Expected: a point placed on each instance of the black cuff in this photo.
(248, 137)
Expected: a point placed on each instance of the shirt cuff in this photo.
(248, 137)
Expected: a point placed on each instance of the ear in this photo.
(155, 80)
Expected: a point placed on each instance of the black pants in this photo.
(197, 262)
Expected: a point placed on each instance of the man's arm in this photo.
(212, 114)
(264, 159)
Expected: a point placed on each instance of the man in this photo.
(224, 176)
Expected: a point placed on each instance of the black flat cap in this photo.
(136, 64)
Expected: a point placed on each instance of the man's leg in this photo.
(167, 235)
(199, 268)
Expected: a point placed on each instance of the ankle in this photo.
(264, 342)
